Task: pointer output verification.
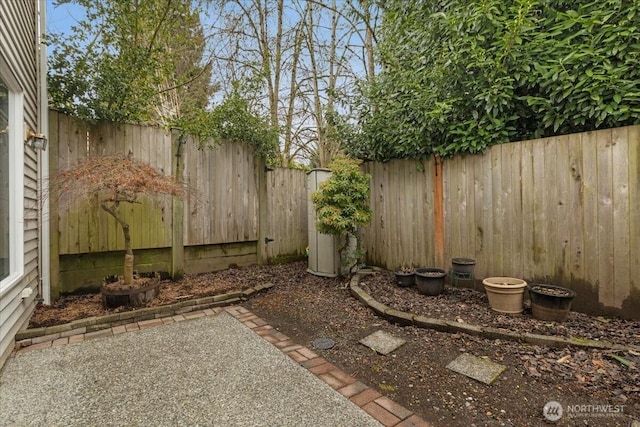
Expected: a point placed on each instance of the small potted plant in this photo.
(405, 276)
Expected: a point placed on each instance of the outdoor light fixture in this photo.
(36, 141)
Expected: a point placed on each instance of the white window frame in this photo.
(16, 181)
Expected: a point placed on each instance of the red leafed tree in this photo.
(113, 180)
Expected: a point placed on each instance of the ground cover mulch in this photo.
(306, 307)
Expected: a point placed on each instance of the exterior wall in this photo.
(20, 57)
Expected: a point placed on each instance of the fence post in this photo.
(54, 232)
(261, 169)
(438, 212)
(177, 207)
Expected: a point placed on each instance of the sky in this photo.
(61, 18)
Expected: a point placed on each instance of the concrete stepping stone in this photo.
(478, 368)
(382, 342)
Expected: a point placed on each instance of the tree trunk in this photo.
(128, 257)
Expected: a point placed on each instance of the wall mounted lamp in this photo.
(36, 141)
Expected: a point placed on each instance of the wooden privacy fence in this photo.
(287, 212)
(232, 207)
(562, 210)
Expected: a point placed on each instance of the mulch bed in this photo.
(471, 306)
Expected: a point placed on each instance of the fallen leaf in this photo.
(620, 359)
(598, 363)
(387, 387)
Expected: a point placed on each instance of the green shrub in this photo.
(342, 206)
(342, 202)
(461, 75)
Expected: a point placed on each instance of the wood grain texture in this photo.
(564, 209)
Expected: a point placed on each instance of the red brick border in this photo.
(383, 409)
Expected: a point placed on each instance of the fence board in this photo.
(508, 211)
(451, 211)
(590, 197)
(470, 231)
(634, 206)
(220, 191)
(551, 246)
(539, 233)
(605, 215)
(528, 210)
(575, 206)
(413, 181)
(393, 240)
(563, 215)
(496, 212)
(620, 187)
(517, 265)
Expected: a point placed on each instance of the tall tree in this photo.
(340, 41)
(256, 46)
(131, 61)
(300, 59)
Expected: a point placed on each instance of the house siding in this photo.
(19, 43)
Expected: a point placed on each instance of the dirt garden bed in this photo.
(306, 307)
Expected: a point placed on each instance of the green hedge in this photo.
(461, 75)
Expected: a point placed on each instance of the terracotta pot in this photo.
(505, 294)
(550, 302)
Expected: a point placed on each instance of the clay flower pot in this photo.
(550, 302)
(505, 294)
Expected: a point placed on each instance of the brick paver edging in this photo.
(96, 324)
(383, 409)
(408, 319)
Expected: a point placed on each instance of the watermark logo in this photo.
(552, 410)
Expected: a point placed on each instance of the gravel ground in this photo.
(211, 371)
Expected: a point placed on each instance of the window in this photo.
(11, 184)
